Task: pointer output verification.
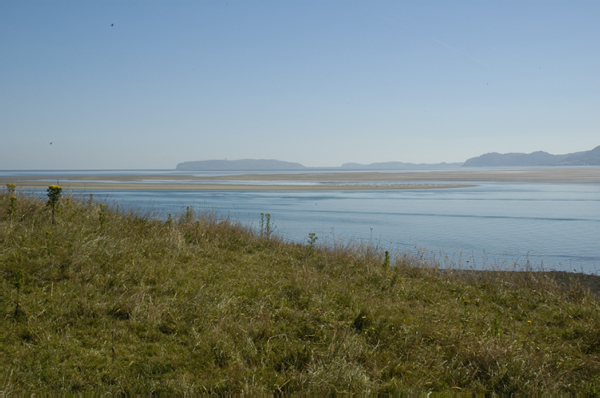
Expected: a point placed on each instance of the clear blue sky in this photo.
(149, 84)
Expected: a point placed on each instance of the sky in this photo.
(149, 84)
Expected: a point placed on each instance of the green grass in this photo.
(111, 302)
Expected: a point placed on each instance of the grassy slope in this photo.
(136, 305)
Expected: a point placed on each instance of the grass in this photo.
(121, 302)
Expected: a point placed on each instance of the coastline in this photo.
(133, 186)
(326, 181)
(351, 181)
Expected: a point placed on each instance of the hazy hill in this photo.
(587, 158)
(244, 164)
(261, 164)
(494, 159)
(539, 158)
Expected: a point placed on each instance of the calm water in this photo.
(552, 226)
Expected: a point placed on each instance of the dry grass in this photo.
(126, 303)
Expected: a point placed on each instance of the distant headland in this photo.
(494, 159)
(539, 158)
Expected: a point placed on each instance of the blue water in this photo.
(493, 225)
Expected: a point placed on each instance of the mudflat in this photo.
(313, 181)
(575, 175)
(198, 186)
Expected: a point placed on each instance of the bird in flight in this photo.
(50, 143)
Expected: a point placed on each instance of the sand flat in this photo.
(165, 186)
(575, 175)
(314, 181)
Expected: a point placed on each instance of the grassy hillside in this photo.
(109, 301)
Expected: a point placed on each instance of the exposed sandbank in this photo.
(578, 175)
(326, 181)
(166, 186)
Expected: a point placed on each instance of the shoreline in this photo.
(133, 186)
(564, 278)
(329, 181)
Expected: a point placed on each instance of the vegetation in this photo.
(115, 301)
(53, 192)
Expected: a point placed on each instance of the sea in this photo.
(507, 226)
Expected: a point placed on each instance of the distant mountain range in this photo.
(270, 164)
(539, 158)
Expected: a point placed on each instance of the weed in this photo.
(265, 225)
(386, 259)
(312, 240)
(53, 193)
